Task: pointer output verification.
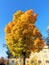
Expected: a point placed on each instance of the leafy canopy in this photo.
(22, 35)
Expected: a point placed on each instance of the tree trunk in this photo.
(24, 60)
(24, 57)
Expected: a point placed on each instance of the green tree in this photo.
(22, 36)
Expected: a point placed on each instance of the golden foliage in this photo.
(22, 35)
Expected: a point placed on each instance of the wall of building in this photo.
(42, 56)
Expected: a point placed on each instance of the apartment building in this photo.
(42, 56)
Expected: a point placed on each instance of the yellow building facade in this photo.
(42, 56)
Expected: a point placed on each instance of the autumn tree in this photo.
(22, 36)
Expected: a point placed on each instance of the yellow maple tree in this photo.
(22, 36)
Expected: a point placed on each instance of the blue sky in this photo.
(9, 7)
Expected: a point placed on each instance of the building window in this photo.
(27, 61)
(45, 56)
(39, 56)
(32, 61)
(47, 61)
(45, 51)
(39, 61)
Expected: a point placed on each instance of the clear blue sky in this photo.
(9, 7)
